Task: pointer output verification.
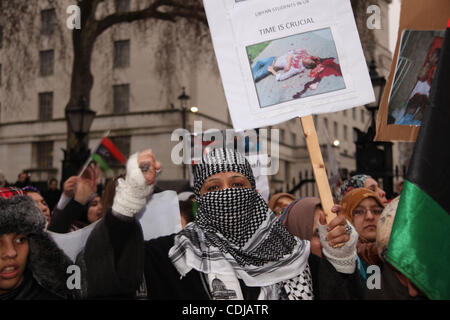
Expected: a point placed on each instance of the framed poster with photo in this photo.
(281, 59)
(407, 91)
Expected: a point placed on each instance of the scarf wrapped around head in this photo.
(274, 199)
(354, 182)
(299, 217)
(366, 249)
(235, 232)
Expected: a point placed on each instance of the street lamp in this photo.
(378, 83)
(184, 99)
(372, 157)
(79, 119)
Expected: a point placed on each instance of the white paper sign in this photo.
(280, 59)
(161, 217)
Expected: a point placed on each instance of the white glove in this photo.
(343, 258)
(133, 192)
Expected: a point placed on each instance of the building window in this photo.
(325, 123)
(48, 21)
(345, 133)
(121, 98)
(294, 139)
(362, 115)
(355, 135)
(1, 37)
(47, 62)
(345, 113)
(335, 127)
(354, 113)
(123, 144)
(122, 5)
(44, 154)
(282, 135)
(0, 74)
(121, 54)
(45, 106)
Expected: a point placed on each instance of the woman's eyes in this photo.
(237, 185)
(212, 188)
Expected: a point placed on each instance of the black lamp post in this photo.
(79, 120)
(184, 99)
(375, 158)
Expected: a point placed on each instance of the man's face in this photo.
(14, 250)
(22, 177)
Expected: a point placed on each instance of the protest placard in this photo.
(281, 59)
(407, 90)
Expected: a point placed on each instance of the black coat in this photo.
(29, 289)
(117, 257)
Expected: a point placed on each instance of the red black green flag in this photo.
(108, 155)
(419, 246)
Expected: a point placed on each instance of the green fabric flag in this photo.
(419, 245)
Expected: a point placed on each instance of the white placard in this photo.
(160, 217)
(312, 45)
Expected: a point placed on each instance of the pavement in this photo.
(317, 43)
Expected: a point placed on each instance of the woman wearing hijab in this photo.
(301, 219)
(235, 249)
(360, 181)
(279, 201)
(363, 208)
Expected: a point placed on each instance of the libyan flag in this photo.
(107, 154)
(419, 246)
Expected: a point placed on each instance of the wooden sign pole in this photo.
(320, 173)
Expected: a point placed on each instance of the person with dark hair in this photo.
(82, 205)
(32, 267)
(34, 194)
(23, 180)
(52, 194)
(236, 248)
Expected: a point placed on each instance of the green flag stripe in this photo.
(97, 158)
(419, 246)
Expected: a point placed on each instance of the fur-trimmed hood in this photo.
(47, 263)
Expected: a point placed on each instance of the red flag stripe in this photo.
(114, 151)
(448, 25)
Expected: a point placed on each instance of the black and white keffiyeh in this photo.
(235, 232)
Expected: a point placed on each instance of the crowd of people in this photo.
(232, 244)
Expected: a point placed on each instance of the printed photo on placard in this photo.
(414, 74)
(295, 67)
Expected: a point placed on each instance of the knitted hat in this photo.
(47, 263)
(221, 160)
(353, 198)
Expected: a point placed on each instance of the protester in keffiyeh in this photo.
(236, 248)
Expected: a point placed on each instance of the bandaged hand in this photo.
(338, 240)
(132, 192)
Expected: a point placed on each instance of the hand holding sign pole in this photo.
(320, 172)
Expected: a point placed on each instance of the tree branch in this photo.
(153, 12)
